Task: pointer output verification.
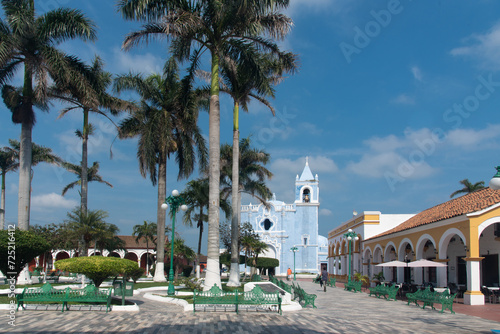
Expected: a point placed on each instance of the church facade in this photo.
(292, 229)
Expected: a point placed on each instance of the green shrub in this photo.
(136, 274)
(24, 247)
(98, 268)
(264, 262)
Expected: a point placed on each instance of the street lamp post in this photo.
(175, 201)
(294, 250)
(350, 235)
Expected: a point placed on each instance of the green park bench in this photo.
(216, 297)
(302, 296)
(331, 282)
(47, 294)
(354, 286)
(388, 292)
(429, 298)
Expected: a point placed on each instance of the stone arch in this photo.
(132, 256)
(378, 254)
(114, 254)
(487, 223)
(422, 241)
(445, 240)
(390, 245)
(402, 249)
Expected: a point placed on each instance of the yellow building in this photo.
(463, 233)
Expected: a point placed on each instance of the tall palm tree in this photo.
(251, 180)
(252, 77)
(28, 39)
(181, 252)
(165, 122)
(196, 198)
(145, 231)
(468, 187)
(7, 164)
(106, 104)
(218, 26)
(92, 175)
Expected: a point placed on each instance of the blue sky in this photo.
(395, 103)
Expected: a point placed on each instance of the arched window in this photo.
(306, 196)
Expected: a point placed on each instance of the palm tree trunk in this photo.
(23, 209)
(161, 215)
(84, 189)
(234, 275)
(213, 274)
(2, 211)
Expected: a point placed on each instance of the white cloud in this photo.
(325, 212)
(482, 48)
(138, 63)
(52, 200)
(402, 156)
(417, 73)
(474, 139)
(403, 99)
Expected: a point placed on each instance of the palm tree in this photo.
(145, 231)
(165, 122)
(7, 164)
(221, 27)
(251, 78)
(100, 81)
(196, 198)
(468, 187)
(28, 39)
(85, 227)
(258, 247)
(9, 161)
(92, 175)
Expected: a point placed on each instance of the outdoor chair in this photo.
(487, 294)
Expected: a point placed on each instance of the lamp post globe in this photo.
(175, 192)
(350, 235)
(164, 206)
(495, 180)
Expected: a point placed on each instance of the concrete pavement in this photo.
(337, 311)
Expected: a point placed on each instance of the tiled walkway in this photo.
(338, 312)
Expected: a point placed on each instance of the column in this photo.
(473, 295)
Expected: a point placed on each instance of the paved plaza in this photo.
(338, 312)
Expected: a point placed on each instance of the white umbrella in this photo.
(426, 263)
(394, 263)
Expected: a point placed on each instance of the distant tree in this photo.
(146, 231)
(196, 198)
(55, 236)
(85, 227)
(92, 176)
(468, 187)
(181, 252)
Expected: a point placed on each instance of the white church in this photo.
(290, 229)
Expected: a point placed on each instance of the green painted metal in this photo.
(388, 292)
(429, 298)
(303, 296)
(47, 294)
(174, 203)
(215, 296)
(354, 286)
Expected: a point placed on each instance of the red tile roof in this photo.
(468, 203)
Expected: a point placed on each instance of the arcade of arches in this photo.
(463, 233)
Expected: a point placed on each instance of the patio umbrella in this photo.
(394, 263)
(426, 263)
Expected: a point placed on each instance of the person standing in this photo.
(324, 278)
(288, 273)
